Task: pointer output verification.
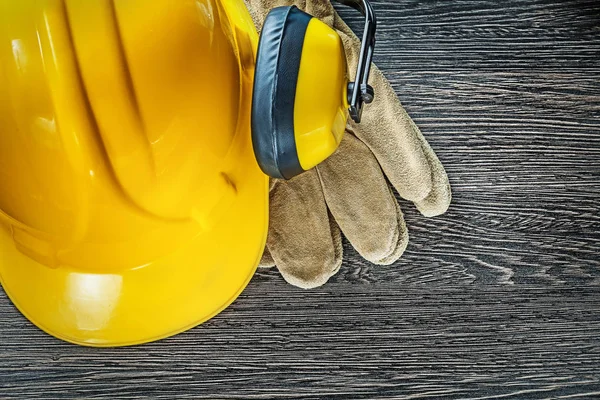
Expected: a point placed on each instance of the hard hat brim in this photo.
(145, 304)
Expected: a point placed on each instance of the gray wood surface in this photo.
(499, 298)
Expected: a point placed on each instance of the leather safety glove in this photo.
(349, 191)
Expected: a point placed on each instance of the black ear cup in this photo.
(275, 81)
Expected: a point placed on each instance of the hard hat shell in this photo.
(131, 205)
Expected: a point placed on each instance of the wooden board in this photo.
(499, 298)
(343, 341)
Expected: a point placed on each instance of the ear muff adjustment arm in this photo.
(361, 93)
(366, 96)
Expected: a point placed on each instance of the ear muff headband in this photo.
(275, 84)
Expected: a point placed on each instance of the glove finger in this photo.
(303, 241)
(362, 203)
(389, 132)
(440, 197)
(426, 185)
(405, 155)
(267, 260)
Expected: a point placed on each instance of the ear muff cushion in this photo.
(275, 80)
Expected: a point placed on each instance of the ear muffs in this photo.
(275, 82)
(301, 90)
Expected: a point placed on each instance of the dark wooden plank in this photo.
(522, 150)
(508, 94)
(502, 35)
(341, 341)
(500, 298)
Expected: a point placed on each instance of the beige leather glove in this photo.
(349, 191)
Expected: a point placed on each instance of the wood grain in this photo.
(502, 35)
(337, 342)
(499, 298)
(509, 97)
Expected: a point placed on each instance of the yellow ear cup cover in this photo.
(276, 77)
(300, 101)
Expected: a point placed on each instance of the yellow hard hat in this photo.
(132, 138)
(131, 204)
